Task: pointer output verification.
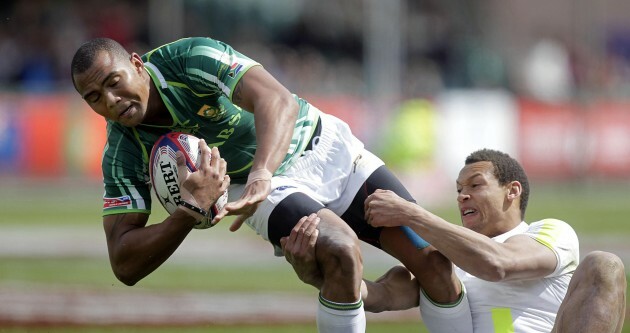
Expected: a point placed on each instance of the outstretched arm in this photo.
(275, 113)
(520, 257)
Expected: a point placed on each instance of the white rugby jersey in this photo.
(525, 306)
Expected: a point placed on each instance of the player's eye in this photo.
(93, 98)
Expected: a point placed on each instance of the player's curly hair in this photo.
(506, 169)
(85, 55)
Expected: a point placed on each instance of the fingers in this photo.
(304, 233)
(302, 238)
(238, 222)
(298, 231)
(182, 170)
(226, 182)
(211, 157)
(204, 153)
(179, 157)
(289, 242)
(220, 215)
(375, 201)
(247, 204)
(229, 207)
(366, 208)
(218, 164)
(310, 227)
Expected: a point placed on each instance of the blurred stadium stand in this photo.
(564, 67)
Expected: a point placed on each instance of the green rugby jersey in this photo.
(196, 78)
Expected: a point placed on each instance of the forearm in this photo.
(275, 122)
(469, 250)
(275, 113)
(137, 252)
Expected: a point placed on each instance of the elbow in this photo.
(288, 102)
(126, 276)
(127, 280)
(494, 275)
(493, 271)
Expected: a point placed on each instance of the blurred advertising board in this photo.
(608, 140)
(566, 141)
(49, 136)
(549, 134)
(59, 136)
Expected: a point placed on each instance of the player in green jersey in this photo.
(285, 159)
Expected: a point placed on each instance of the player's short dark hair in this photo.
(85, 55)
(506, 169)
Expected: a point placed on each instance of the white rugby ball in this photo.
(163, 172)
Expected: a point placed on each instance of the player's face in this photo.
(117, 89)
(481, 199)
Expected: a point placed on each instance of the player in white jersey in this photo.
(523, 305)
(518, 277)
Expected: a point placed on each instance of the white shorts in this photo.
(331, 173)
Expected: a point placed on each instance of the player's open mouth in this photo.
(125, 112)
(466, 212)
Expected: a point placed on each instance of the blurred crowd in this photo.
(317, 47)
(38, 38)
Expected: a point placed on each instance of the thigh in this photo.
(286, 214)
(383, 179)
(433, 270)
(596, 297)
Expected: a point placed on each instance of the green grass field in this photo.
(596, 212)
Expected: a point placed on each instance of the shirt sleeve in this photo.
(213, 66)
(560, 237)
(125, 175)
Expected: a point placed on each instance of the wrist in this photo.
(193, 210)
(258, 175)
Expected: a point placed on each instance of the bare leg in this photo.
(396, 290)
(433, 271)
(339, 258)
(596, 299)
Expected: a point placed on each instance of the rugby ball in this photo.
(163, 172)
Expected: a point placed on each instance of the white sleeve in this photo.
(560, 237)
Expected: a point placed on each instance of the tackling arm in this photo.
(520, 257)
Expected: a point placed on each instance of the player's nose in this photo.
(461, 196)
(111, 99)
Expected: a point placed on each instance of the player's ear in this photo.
(514, 190)
(136, 61)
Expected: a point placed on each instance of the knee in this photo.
(605, 267)
(338, 246)
(438, 265)
(337, 255)
(339, 259)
